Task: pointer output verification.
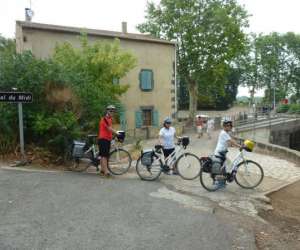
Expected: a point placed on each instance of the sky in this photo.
(266, 15)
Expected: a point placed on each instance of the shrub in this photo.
(283, 108)
(57, 130)
(70, 91)
(294, 109)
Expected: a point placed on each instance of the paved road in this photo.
(82, 211)
(42, 210)
(278, 172)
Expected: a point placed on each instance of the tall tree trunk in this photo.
(252, 91)
(193, 96)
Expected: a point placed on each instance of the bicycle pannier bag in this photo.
(121, 136)
(185, 141)
(78, 149)
(206, 164)
(147, 157)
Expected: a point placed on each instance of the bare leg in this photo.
(103, 163)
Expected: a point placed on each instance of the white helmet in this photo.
(167, 120)
(227, 121)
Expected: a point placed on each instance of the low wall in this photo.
(260, 135)
(150, 132)
(286, 134)
(277, 151)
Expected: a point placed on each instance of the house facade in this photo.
(152, 92)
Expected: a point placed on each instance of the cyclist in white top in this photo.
(167, 134)
(224, 141)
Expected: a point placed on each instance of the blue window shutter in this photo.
(155, 118)
(138, 119)
(146, 79)
(123, 120)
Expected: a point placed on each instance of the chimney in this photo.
(28, 14)
(124, 27)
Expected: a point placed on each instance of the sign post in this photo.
(18, 97)
(21, 130)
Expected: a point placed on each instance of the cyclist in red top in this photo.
(104, 138)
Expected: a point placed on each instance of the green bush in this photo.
(294, 109)
(57, 130)
(283, 108)
(70, 91)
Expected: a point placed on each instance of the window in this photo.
(146, 79)
(145, 117)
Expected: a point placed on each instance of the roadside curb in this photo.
(30, 170)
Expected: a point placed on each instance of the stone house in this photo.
(152, 93)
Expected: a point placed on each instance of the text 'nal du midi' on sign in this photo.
(15, 97)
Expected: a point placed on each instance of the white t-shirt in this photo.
(211, 124)
(222, 144)
(168, 137)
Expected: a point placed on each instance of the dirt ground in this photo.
(283, 228)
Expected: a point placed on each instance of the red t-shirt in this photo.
(104, 132)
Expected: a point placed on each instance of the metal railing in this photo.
(259, 126)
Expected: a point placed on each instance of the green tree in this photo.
(91, 71)
(293, 45)
(249, 66)
(275, 65)
(70, 91)
(209, 37)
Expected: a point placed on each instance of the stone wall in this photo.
(276, 150)
(283, 135)
(150, 132)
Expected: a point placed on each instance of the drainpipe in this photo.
(175, 79)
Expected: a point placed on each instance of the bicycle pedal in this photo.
(168, 172)
(165, 168)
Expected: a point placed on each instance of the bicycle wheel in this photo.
(249, 174)
(79, 164)
(149, 173)
(208, 181)
(188, 166)
(119, 161)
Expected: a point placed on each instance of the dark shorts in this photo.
(104, 147)
(167, 152)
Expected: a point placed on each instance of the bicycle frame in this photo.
(239, 158)
(172, 157)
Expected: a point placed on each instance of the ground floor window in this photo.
(146, 116)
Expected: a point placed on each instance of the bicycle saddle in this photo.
(92, 136)
(158, 147)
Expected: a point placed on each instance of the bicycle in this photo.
(243, 171)
(152, 162)
(85, 154)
